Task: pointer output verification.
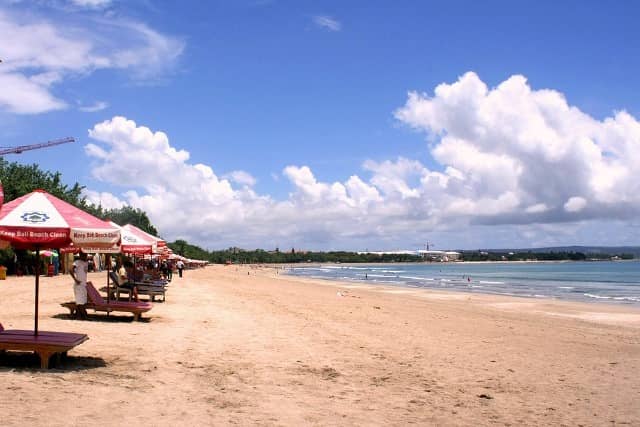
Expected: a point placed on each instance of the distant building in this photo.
(440, 256)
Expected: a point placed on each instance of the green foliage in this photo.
(129, 215)
(19, 180)
(540, 256)
(258, 256)
(185, 249)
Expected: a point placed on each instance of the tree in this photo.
(129, 215)
(19, 180)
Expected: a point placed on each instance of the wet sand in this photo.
(248, 346)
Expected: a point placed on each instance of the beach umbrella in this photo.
(48, 253)
(40, 220)
(130, 243)
(135, 243)
(160, 245)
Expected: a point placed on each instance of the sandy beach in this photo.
(248, 346)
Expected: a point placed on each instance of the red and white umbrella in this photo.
(40, 220)
(135, 243)
(129, 244)
(160, 245)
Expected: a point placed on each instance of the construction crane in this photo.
(20, 148)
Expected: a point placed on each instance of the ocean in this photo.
(598, 281)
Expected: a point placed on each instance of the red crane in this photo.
(20, 148)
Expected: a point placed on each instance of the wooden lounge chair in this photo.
(152, 290)
(45, 344)
(97, 303)
(116, 289)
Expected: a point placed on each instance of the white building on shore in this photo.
(440, 256)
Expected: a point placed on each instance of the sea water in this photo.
(607, 281)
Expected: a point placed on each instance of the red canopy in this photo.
(39, 220)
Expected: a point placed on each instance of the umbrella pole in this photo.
(35, 327)
(108, 262)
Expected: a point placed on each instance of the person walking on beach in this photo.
(166, 270)
(180, 266)
(79, 274)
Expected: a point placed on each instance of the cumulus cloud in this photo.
(513, 165)
(189, 200)
(528, 152)
(327, 23)
(45, 52)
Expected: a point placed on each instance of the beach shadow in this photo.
(102, 318)
(28, 361)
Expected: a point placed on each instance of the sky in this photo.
(332, 125)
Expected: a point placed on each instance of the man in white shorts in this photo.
(79, 274)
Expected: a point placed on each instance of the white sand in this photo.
(235, 348)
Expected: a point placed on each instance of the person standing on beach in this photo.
(79, 274)
(180, 266)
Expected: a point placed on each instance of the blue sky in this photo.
(300, 131)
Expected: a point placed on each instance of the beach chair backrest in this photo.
(114, 278)
(94, 295)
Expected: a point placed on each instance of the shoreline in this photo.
(479, 288)
(587, 310)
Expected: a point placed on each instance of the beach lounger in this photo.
(45, 344)
(116, 289)
(97, 303)
(151, 289)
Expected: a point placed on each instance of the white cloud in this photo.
(189, 200)
(548, 158)
(22, 95)
(515, 166)
(327, 23)
(575, 204)
(92, 4)
(242, 178)
(44, 53)
(98, 106)
(104, 199)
